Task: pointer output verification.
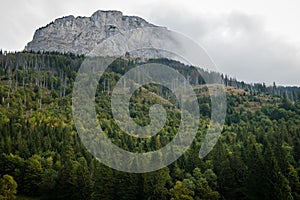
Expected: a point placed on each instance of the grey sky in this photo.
(250, 40)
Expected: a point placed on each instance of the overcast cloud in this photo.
(240, 45)
(243, 43)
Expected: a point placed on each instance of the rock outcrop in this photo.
(81, 35)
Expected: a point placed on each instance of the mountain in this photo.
(81, 35)
(42, 156)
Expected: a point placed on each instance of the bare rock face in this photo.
(81, 35)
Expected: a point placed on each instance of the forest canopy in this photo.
(42, 157)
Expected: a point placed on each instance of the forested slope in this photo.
(256, 157)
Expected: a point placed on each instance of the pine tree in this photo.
(32, 176)
(68, 179)
(104, 186)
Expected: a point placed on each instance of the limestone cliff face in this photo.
(81, 35)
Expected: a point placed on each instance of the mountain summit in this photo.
(81, 35)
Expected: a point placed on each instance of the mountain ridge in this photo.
(80, 35)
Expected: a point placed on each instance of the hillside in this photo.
(256, 157)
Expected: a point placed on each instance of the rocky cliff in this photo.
(81, 35)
